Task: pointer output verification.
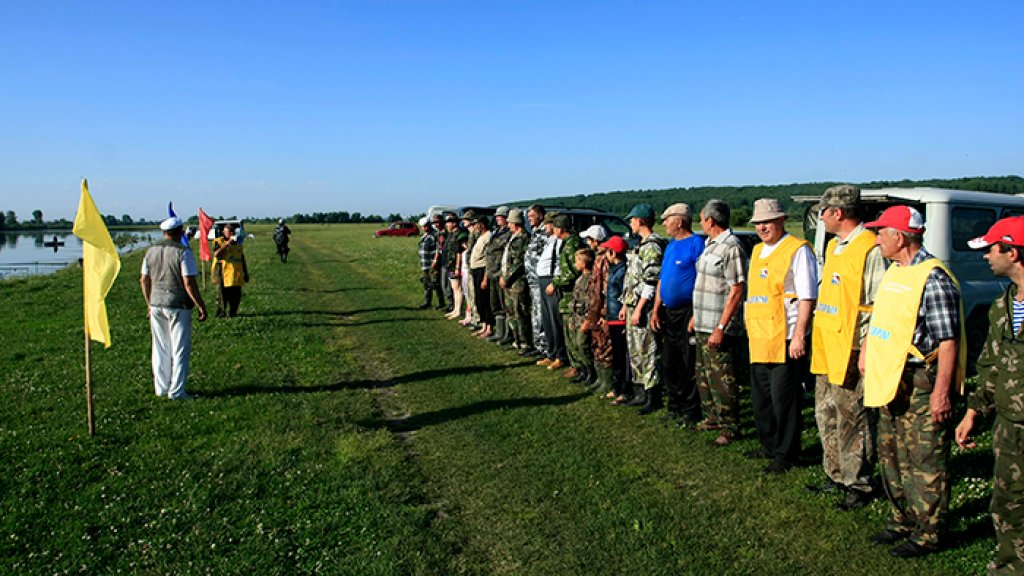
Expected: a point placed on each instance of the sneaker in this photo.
(556, 364)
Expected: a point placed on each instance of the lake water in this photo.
(27, 253)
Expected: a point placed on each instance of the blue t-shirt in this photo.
(679, 270)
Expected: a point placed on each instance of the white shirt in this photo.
(547, 264)
(801, 278)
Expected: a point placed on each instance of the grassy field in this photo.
(340, 430)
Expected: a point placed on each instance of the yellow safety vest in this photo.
(835, 318)
(765, 310)
(891, 332)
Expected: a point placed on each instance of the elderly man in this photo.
(782, 285)
(643, 267)
(534, 251)
(513, 281)
(999, 384)
(912, 358)
(169, 286)
(853, 269)
(673, 308)
(562, 283)
(717, 322)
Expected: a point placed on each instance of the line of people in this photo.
(678, 322)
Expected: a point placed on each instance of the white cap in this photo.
(596, 232)
(171, 223)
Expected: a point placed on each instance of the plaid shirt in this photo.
(722, 265)
(938, 318)
(427, 249)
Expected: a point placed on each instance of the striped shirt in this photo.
(1018, 316)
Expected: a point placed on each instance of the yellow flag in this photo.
(100, 265)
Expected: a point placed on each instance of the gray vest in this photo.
(163, 263)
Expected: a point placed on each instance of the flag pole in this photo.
(88, 369)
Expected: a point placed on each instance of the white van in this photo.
(951, 218)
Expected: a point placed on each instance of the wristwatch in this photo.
(721, 327)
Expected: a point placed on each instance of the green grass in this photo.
(340, 430)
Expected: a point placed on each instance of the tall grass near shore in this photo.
(340, 430)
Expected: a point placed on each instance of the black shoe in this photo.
(777, 467)
(854, 499)
(886, 537)
(424, 306)
(827, 487)
(758, 454)
(527, 352)
(911, 549)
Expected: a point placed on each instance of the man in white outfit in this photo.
(169, 286)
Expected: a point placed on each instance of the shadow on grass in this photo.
(342, 323)
(977, 522)
(419, 421)
(328, 312)
(366, 384)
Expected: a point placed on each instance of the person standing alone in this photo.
(168, 282)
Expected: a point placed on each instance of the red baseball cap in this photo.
(902, 218)
(615, 244)
(1009, 230)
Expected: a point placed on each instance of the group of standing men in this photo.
(696, 315)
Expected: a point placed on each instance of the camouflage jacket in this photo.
(567, 272)
(643, 268)
(538, 239)
(581, 299)
(450, 250)
(1000, 380)
(513, 268)
(495, 252)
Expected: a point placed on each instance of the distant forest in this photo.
(741, 198)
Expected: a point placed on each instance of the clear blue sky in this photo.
(272, 108)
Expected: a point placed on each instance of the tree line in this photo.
(741, 198)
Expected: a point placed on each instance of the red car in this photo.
(399, 229)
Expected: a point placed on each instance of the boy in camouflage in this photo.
(1000, 387)
(579, 338)
(642, 271)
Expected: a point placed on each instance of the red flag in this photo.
(205, 223)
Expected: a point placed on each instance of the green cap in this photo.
(641, 211)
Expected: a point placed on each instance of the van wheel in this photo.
(976, 332)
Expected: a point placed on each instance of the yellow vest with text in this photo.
(835, 318)
(765, 310)
(891, 332)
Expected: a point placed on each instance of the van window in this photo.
(617, 227)
(970, 223)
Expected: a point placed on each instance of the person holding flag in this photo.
(169, 286)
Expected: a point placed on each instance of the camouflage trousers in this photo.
(1008, 498)
(913, 454)
(643, 352)
(470, 294)
(847, 429)
(717, 380)
(517, 303)
(577, 343)
(540, 341)
(601, 346)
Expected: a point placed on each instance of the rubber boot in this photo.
(604, 375)
(499, 329)
(654, 401)
(427, 297)
(510, 333)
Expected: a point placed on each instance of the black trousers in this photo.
(678, 358)
(482, 296)
(776, 391)
(552, 320)
(620, 359)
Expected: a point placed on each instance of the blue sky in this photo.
(272, 108)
